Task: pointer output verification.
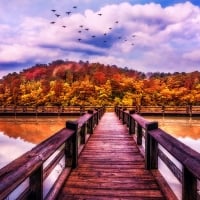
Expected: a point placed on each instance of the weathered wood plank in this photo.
(111, 167)
(114, 193)
(93, 197)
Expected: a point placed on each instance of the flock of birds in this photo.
(107, 35)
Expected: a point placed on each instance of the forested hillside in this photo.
(70, 83)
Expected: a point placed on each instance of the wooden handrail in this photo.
(39, 110)
(153, 136)
(184, 154)
(30, 165)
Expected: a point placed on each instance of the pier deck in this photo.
(111, 167)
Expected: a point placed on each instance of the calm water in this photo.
(18, 135)
(184, 129)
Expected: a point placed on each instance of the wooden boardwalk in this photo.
(111, 167)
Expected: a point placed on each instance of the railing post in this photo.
(120, 113)
(83, 134)
(123, 115)
(131, 122)
(139, 134)
(91, 121)
(72, 146)
(97, 116)
(189, 185)
(36, 184)
(151, 147)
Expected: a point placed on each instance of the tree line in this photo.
(83, 83)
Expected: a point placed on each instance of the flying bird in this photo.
(110, 28)
(68, 12)
(64, 26)
(117, 22)
(52, 22)
(133, 35)
(79, 31)
(81, 26)
(100, 14)
(93, 36)
(57, 15)
(53, 10)
(74, 7)
(105, 34)
(87, 29)
(79, 39)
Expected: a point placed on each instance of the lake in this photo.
(185, 129)
(18, 135)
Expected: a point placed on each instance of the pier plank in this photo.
(111, 167)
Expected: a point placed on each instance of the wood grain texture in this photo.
(111, 167)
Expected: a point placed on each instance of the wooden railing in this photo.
(79, 110)
(165, 110)
(35, 166)
(154, 138)
(42, 110)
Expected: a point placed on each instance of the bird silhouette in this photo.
(68, 12)
(106, 33)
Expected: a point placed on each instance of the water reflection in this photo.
(185, 129)
(11, 148)
(18, 135)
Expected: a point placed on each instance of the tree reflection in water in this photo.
(19, 135)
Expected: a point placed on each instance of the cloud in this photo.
(149, 36)
(193, 56)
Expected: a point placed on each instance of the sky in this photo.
(148, 36)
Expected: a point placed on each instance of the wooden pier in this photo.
(111, 167)
(184, 111)
(106, 156)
